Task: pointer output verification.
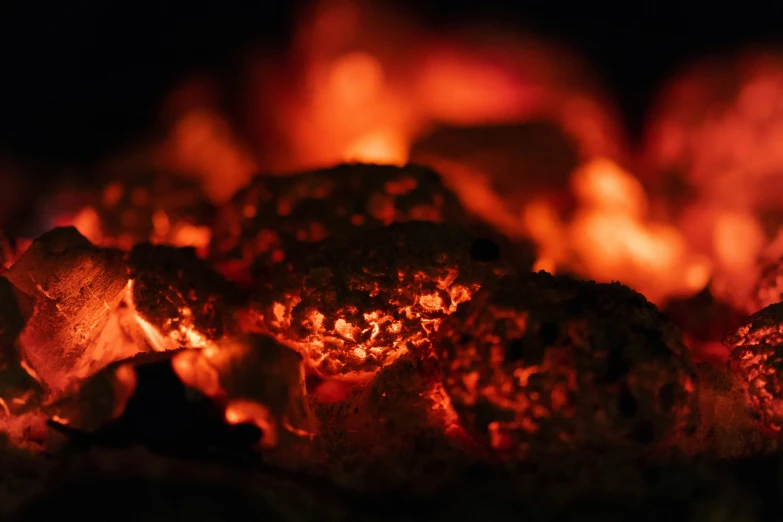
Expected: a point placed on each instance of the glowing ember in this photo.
(402, 407)
(265, 220)
(361, 300)
(256, 379)
(249, 412)
(99, 400)
(757, 356)
(444, 410)
(72, 287)
(425, 347)
(179, 300)
(548, 363)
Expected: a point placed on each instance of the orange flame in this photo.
(718, 127)
(610, 238)
(251, 412)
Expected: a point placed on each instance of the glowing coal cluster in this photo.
(363, 299)
(482, 293)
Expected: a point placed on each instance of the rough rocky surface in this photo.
(157, 486)
(756, 355)
(544, 364)
(180, 294)
(261, 224)
(384, 453)
(727, 427)
(354, 304)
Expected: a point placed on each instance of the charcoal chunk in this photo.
(756, 356)
(360, 300)
(180, 295)
(264, 221)
(597, 382)
(74, 287)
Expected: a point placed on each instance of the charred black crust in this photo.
(631, 372)
(166, 279)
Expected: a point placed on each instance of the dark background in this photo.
(79, 78)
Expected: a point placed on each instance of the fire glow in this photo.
(352, 99)
(344, 278)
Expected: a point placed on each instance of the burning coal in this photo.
(454, 265)
(529, 366)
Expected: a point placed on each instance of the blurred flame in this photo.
(465, 89)
(249, 386)
(88, 223)
(378, 147)
(355, 78)
(251, 412)
(610, 238)
(603, 184)
(194, 370)
(362, 83)
(203, 144)
(124, 383)
(717, 128)
(738, 237)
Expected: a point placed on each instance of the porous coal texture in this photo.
(757, 358)
(274, 213)
(168, 280)
(544, 364)
(358, 301)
